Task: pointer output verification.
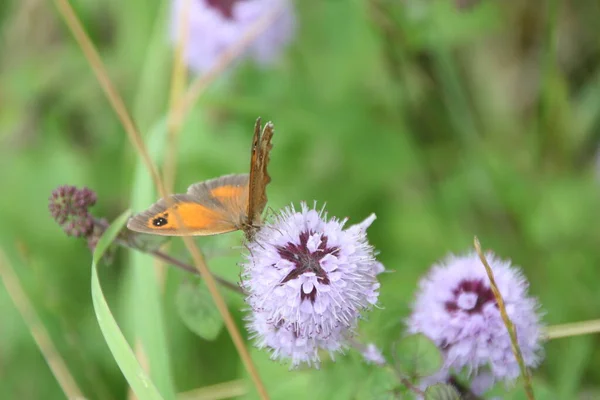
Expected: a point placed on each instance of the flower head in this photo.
(308, 279)
(69, 208)
(216, 25)
(456, 308)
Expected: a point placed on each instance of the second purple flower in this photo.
(216, 25)
(455, 307)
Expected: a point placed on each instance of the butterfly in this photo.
(220, 205)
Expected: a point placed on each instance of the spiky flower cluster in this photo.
(308, 279)
(216, 25)
(456, 308)
(69, 208)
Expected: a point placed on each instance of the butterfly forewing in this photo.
(259, 176)
(254, 150)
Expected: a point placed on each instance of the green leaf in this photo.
(122, 353)
(197, 310)
(441, 391)
(418, 356)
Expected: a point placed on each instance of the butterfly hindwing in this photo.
(229, 192)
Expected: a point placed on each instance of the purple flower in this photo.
(308, 280)
(216, 25)
(69, 208)
(456, 308)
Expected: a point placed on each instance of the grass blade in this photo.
(122, 353)
(144, 284)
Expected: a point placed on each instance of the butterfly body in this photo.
(220, 205)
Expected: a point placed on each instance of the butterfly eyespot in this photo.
(160, 221)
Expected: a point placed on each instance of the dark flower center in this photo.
(225, 7)
(470, 296)
(305, 260)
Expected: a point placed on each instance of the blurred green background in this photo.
(445, 122)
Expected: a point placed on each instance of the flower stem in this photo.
(512, 332)
(170, 260)
(189, 268)
(360, 347)
(573, 329)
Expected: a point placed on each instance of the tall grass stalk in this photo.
(507, 322)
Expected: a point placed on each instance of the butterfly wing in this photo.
(229, 192)
(259, 176)
(208, 208)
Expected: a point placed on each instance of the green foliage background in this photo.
(446, 123)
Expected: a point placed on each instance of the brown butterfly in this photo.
(224, 204)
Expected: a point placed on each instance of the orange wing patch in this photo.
(227, 192)
(194, 216)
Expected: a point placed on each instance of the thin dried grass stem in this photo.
(573, 329)
(38, 331)
(238, 341)
(178, 79)
(117, 103)
(109, 89)
(507, 322)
